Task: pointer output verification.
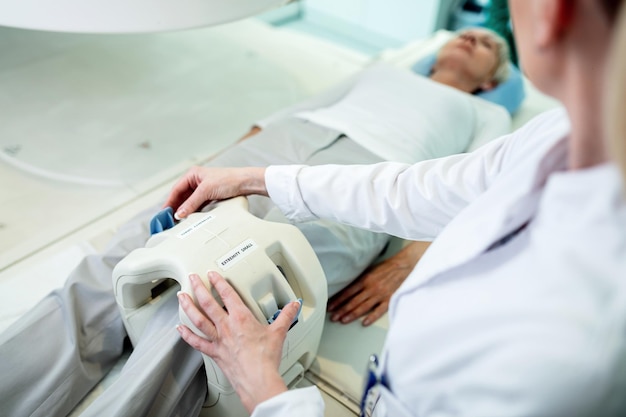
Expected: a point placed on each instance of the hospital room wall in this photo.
(383, 23)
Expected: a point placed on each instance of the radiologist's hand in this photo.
(369, 294)
(247, 351)
(201, 185)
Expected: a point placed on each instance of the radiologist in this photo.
(75, 335)
(518, 308)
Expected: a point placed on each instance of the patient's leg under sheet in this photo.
(59, 350)
(164, 376)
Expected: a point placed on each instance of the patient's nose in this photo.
(469, 38)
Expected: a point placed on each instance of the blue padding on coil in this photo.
(163, 220)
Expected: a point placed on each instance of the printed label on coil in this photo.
(238, 253)
(192, 228)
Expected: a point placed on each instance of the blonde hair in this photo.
(616, 100)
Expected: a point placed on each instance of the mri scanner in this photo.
(119, 16)
(49, 222)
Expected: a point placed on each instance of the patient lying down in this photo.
(75, 335)
(406, 118)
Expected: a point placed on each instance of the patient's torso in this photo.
(401, 116)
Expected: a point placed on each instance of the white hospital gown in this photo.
(401, 116)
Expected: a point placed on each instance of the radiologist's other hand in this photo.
(247, 351)
(201, 185)
(369, 294)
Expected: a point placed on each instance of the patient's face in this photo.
(472, 54)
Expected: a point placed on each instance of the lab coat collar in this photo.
(602, 188)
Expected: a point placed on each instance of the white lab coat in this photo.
(533, 327)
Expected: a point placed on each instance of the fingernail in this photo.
(180, 214)
(346, 319)
(334, 317)
(193, 277)
(366, 322)
(179, 329)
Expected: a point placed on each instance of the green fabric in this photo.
(498, 20)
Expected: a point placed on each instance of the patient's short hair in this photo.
(504, 53)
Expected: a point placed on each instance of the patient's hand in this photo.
(247, 351)
(369, 294)
(253, 131)
(201, 185)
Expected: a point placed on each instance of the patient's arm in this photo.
(253, 131)
(369, 294)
